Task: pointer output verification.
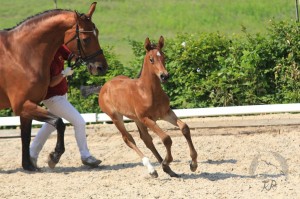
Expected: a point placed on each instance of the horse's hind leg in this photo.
(26, 137)
(173, 119)
(167, 141)
(128, 139)
(54, 156)
(147, 139)
(31, 110)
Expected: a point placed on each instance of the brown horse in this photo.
(144, 101)
(26, 52)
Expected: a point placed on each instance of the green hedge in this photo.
(213, 69)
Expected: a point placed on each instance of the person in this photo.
(56, 102)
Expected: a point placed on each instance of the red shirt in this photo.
(56, 67)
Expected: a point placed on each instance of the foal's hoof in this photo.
(154, 174)
(169, 171)
(193, 166)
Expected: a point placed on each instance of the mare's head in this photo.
(82, 40)
(155, 59)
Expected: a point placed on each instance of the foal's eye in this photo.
(86, 41)
(152, 60)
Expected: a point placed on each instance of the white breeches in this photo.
(61, 107)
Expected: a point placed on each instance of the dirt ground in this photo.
(238, 157)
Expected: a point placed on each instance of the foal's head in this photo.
(155, 59)
(82, 39)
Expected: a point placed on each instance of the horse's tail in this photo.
(88, 90)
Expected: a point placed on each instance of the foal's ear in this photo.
(147, 44)
(92, 9)
(161, 42)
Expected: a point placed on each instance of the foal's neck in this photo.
(149, 79)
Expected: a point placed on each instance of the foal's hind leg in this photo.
(173, 119)
(128, 139)
(147, 139)
(167, 141)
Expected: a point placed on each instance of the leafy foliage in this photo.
(211, 69)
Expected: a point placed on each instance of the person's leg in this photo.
(64, 109)
(60, 106)
(41, 136)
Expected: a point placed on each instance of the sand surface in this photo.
(238, 157)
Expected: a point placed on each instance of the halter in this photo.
(80, 60)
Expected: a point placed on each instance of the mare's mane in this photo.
(38, 17)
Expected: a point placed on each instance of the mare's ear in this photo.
(92, 9)
(161, 42)
(77, 15)
(147, 44)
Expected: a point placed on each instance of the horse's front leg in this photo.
(173, 119)
(33, 111)
(167, 141)
(25, 138)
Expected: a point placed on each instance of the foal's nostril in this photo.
(164, 76)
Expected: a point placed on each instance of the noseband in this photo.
(82, 57)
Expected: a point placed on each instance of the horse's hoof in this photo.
(51, 162)
(174, 175)
(31, 168)
(154, 174)
(193, 166)
(169, 171)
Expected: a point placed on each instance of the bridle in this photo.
(82, 58)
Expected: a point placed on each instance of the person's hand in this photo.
(67, 72)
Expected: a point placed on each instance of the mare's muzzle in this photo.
(97, 68)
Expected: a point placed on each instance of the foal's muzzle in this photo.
(164, 77)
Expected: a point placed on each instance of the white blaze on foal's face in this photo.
(158, 54)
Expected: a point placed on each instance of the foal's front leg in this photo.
(173, 119)
(167, 141)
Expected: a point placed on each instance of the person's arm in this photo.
(58, 78)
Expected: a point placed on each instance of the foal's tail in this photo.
(88, 90)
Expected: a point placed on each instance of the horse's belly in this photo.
(4, 101)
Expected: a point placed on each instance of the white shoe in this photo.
(90, 161)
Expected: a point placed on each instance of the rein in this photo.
(80, 60)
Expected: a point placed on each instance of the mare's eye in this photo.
(151, 60)
(86, 41)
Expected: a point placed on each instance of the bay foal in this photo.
(144, 101)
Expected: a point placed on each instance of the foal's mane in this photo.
(40, 16)
(153, 46)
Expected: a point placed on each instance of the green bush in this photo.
(213, 70)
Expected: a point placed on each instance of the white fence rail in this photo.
(183, 113)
